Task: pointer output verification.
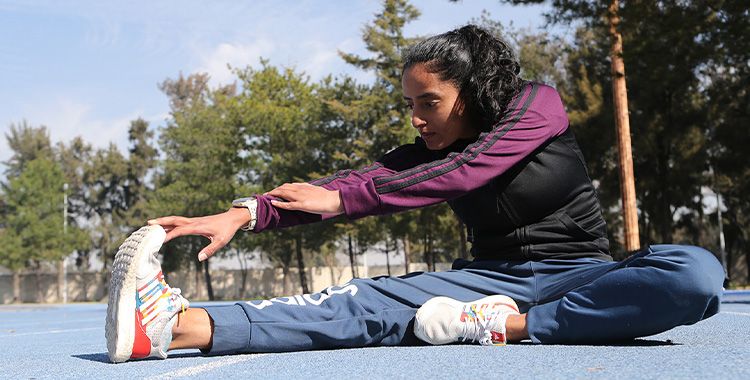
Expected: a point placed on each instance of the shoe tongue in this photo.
(166, 334)
(148, 264)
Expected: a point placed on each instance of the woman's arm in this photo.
(405, 179)
(536, 116)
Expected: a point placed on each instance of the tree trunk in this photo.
(622, 125)
(39, 292)
(209, 288)
(329, 261)
(407, 253)
(198, 280)
(243, 272)
(463, 252)
(432, 253)
(287, 280)
(61, 273)
(427, 253)
(16, 287)
(301, 264)
(387, 255)
(106, 276)
(662, 200)
(351, 257)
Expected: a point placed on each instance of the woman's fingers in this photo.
(308, 198)
(219, 228)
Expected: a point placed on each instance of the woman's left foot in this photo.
(443, 320)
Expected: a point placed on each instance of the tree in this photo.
(384, 38)
(666, 98)
(597, 14)
(110, 190)
(33, 224)
(291, 135)
(389, 123)
(203, 149)
(34, 183)
(728, 116)
(27, 143)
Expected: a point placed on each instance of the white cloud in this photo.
(67, 117)
(89, 68)
(217, 60)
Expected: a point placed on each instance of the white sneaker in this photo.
(142, 308)
(443, 320)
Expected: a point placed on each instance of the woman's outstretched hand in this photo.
(308, 198)
(219, 228)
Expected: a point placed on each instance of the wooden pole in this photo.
(622, 125)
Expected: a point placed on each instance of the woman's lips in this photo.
(427, 135)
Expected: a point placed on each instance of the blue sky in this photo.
(87, 68)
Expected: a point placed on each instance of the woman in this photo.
(501, 153)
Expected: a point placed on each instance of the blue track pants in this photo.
(567, 301)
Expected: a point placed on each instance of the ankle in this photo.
(193, 329)
(515, 328)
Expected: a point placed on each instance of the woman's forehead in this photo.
(418, 82)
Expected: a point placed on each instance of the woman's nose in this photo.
(416, 121)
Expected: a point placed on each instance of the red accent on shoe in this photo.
(141, 342)
(498, 337)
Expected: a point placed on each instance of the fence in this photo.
(226, 284)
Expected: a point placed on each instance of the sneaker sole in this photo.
(428, 309)
(120, 324)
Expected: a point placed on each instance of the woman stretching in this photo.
(501, 153)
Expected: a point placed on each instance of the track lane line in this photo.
(194, 370)
(11, 334)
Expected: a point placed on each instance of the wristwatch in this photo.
(251, 203)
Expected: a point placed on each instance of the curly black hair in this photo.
(483, 67)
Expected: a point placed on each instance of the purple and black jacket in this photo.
(521, 189)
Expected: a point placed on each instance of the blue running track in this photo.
(67, 342)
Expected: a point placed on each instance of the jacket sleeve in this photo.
(535, 116)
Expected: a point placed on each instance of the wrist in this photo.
(250, 206)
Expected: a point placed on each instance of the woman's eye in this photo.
(431, 104)
(410, 106)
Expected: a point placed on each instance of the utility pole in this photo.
(622, 125)
(722, 244)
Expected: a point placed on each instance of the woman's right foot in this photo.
(142, 308)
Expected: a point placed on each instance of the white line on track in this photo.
(734, 312)
(49, 332)
(194, 370)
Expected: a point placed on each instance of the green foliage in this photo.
(111, 189)
(33, 233)
(687, 75)
(202, 146)
(688, 82)
(389, 116)
(27, 143)
(728, 117)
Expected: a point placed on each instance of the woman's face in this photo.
(436, 110)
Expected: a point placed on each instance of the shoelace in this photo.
(479, 329)
(177, 296)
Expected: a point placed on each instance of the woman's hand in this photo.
(308, 198)
(219, 228)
